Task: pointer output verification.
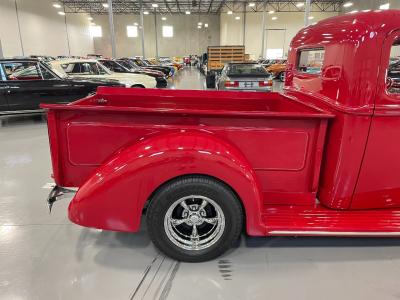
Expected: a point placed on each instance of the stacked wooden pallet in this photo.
(218, 56)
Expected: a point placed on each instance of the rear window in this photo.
(393, 74)
(246, 69)
(310, 61)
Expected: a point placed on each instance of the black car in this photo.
(121, 66)
(168, 71)
(27, 82)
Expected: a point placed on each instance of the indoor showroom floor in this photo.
(44, 256)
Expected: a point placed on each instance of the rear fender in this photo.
(114, 196)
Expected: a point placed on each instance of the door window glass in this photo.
(46, 74)
(22, 71)
(311, 61)
(393, 75)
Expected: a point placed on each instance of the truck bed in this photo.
(281, 137)
(194, 102)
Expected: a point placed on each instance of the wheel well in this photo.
(138, 86)
(196, 175)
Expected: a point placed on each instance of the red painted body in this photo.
(331, 139)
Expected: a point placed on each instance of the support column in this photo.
(244, 23)
(307, 13)
(19, 28)
(155, 30)
(1, 51)
(142, 27)
(112, 31)
(263, 31)
(66, 32)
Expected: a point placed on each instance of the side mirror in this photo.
(332, 73)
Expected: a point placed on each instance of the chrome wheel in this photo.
(194, 222)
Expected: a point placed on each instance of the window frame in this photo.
(34, 63)
(395, 41)
(298, 56)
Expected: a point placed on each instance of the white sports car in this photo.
(90, 68)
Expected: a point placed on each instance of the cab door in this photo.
(378, 184)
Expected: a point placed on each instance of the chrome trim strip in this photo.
(334, 233)
(14, 112)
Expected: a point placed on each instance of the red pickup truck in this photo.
(321, 158)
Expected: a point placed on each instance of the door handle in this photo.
(14, 87)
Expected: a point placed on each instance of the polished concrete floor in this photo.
(43, 256)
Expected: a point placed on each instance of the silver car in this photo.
(244, 77)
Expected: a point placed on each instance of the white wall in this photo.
(43, 31)
(188, 39)
(9, 29)
(371, 4)
(287, 23)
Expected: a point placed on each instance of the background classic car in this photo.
(91, 68)
(27, 82)
(244, 76)
(120, 66)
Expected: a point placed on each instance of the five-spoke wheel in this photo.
(194, 219)
(194, 222)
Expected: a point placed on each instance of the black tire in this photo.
(210, 81)
(281, 76)
(167, 196)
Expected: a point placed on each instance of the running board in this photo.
(321, 221)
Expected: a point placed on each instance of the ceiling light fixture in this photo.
(348, 4)
(146, 12)
(105, 5)
(199, 23)
(237, 18)
(206, 25)
(271, 12)
(56, 5)
(274, 18)
(163, 18)
(229, 12)
(300, 4)
(252, 4)
(155, 5)
(136, 24)
(310, 17)
(90, 18)
(187, 12)
(61, 13)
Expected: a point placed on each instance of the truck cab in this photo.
(347, 65)
(318, 159)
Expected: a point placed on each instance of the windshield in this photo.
(246, 69)
(58, 71)
(128, 64)
(103, 69)
(113, 65)
(139, 63)
(81, 68)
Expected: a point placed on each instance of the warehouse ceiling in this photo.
(197, 6)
